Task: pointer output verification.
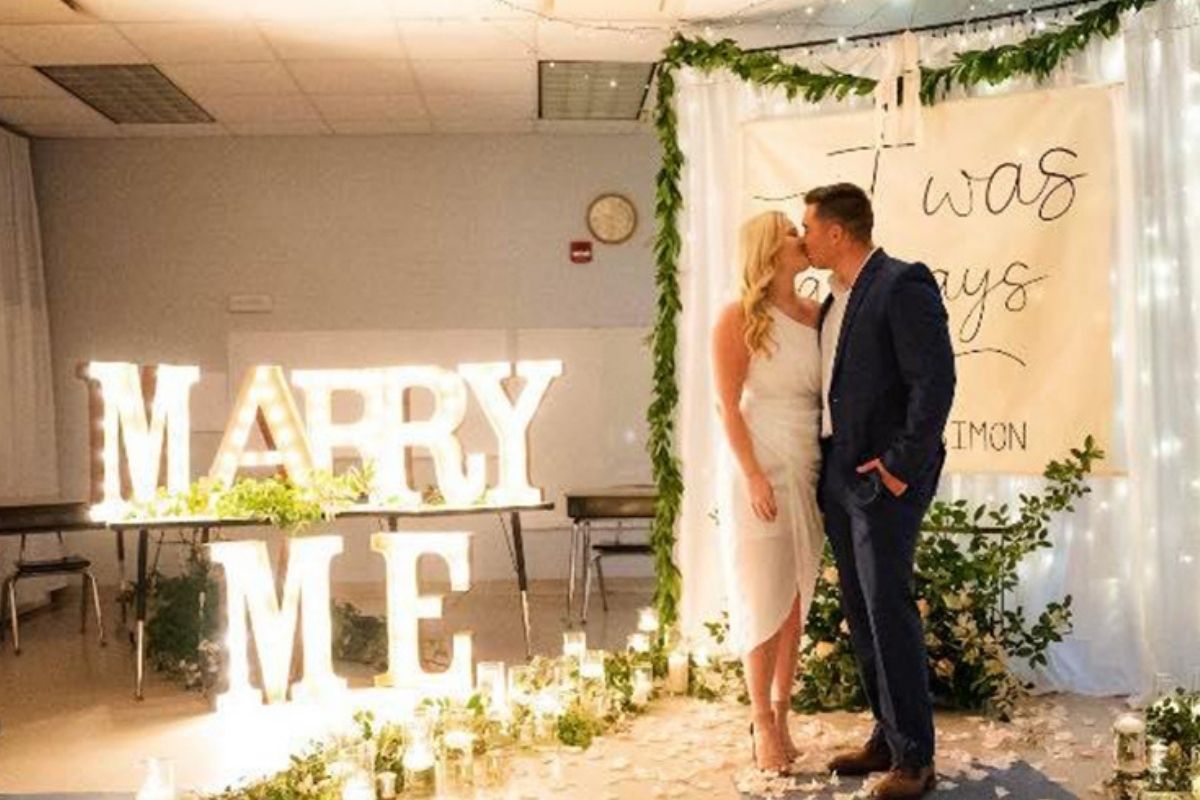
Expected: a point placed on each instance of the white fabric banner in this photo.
(1010, 201)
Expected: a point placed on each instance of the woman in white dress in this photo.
(768, 375)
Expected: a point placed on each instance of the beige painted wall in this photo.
(145, 240)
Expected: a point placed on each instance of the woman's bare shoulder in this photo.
(731, 316)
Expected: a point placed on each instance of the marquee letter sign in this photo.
(382, 435)
(250, 589)
(250, 592)
(123, 427)
(406, 607)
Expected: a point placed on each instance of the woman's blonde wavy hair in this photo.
(761, 238)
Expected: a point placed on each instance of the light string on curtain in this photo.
(1037, 58)
(984, 13)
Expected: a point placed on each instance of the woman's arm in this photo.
(731, 361)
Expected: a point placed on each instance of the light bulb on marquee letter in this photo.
(511, 421)
(265, 391)
(406, 607)
(437, 434)
(124, 423)
(367, 435)
(250, 587)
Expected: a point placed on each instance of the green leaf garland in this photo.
(1036, 57)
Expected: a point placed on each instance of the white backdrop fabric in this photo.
(28, 456)
(1128, 555)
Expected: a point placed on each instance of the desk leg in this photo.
(121, 583)
(522, 579)
(571, 565)
(140, 592)
(587, 570)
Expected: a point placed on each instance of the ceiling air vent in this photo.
(592, 89)
(128, 93)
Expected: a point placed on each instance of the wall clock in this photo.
(612, 218)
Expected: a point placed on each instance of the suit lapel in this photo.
(857, 294)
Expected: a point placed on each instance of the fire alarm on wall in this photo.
(581, 252)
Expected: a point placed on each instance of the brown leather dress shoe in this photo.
(867, 759)
(906, 783)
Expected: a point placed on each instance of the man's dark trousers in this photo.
(874, 535)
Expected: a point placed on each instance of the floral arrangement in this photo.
(1160, 754)
(552, 702)
(967, 563)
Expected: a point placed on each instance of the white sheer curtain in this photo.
(1128, 555)
(28, 457)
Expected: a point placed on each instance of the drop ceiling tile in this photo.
(235, 108)
(570, 43)
(708, 9)
(318, 9)
(35, 11)
(480, 107)
(379, 127)
(333, 39)
(374, 76)
(469, 40)
(51, 131)
(647, 10)
(182, 42)
(459, 77)
(369, 106)
(201, 81)
(27, 82)
(49, 111)
(475, 10)
(279, 128)
(591, 126)
(186, 130)
(68, 44)
(165, 10)
(484, 126)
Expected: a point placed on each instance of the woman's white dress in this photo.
(769, 563)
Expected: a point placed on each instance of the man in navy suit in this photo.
(888, 383)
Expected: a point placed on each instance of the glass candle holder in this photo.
(1129, 744)
(574, 645)
(1157, 766)
(355, 761)
(643, 685)
(385, 785)
(458, 756)
(493, 768)
(678, 666)
(420, 764)
(1164, 685)
(491, 686)
(358, 786)
(648, 620)
(159, 783)
(546, 711)
(591, 668)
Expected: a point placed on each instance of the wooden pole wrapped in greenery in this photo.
(1036, 57)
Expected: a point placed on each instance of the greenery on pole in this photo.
(1036, 57)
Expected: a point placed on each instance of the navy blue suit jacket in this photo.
(893, 375)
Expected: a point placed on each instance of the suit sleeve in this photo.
(921, 337)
